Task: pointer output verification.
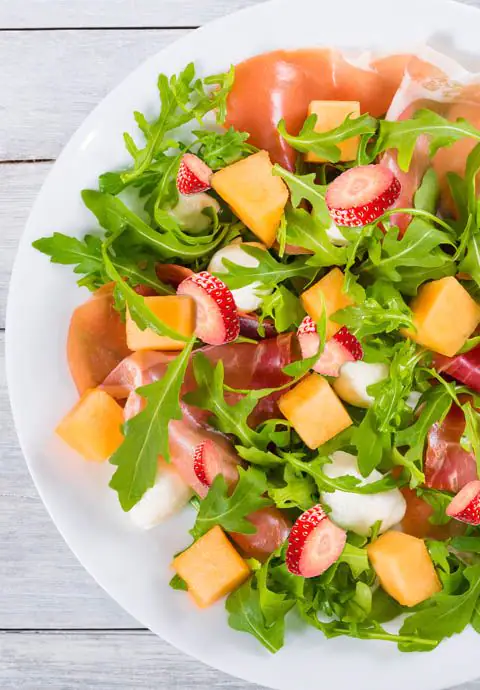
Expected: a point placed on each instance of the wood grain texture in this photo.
(64, 75)
(84, 661)
(27, 14)
(20, 183)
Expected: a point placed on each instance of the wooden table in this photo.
(58, 629)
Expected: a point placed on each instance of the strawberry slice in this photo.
(360, 195)
(193, 175)
(466, 504)
(209, 461)
(217, 320)
(314, 544)
(349, 342)
(343, 347)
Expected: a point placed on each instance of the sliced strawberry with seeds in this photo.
(194, 175)
(349, 342)
(314, 544)
(209, 460)
(361, 195)
(217, 320)
(466, 504)
(336, 352)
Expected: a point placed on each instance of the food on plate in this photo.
(284, 333)
(211, 567)
(404, 568)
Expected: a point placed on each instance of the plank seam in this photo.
(80, 631)
(97, 28)
(23, 161)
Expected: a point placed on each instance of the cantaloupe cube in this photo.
(331, 114)
(331, 288)
(211, 567)
(445, 316)
(404, 567)
(93, 426)
(314, 410)
(256, 196)
(176, 311)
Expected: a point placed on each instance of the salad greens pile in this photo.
(383, 270)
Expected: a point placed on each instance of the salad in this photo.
(284, 333)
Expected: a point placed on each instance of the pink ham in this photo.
(464, 368)
(448, 467)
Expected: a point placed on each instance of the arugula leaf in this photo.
(245, 615)
(427, 195)
(444, 614)
(400, 258)
(371, 317)
(304, 187)
(146, 434)
(230, 511)
(283, 307)
(472, 430)
(183, 99)
(299, 491)
(219, 149)
(85, 255)
(305, 230)
(178, 583)
(114, 216)
(403, 134)
(269, 271)
(467, 544)
(439, 501)
(325, 144)
(231, 419)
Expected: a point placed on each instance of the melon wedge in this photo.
(329, 291)
(331, 114)
(93, 426)
(255, 195)
(314, 410)
(444, 315)
(211, 567)
(176, 311)
(404, 567)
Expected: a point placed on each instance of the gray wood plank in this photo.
(77, 661)
(64, 75)
(42, 584)
(110, 13)
(19, 186)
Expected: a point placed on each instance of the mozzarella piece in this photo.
(250, 297)
(358, 512)
(189, 210)
(354, 379)
(336, 236)
(167, 496)
(412, 400)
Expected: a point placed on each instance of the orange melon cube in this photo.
(329, 291)
(444, 315)
(176, 311)
(211, 567)
(404, 567)
(314, 410)
(93, 426)
(331, 114)
(255, 195)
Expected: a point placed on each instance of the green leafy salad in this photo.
(294, 351)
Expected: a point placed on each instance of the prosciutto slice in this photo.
(96, 341)
(446, 88)
(281, 84)
(464, 368)
(448, 467)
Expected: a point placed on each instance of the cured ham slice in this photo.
(448, 467)
(272, 530)
(290, 79)
(464, 368)
(448, 89)
(96, 341)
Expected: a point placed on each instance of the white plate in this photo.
(133, 566)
